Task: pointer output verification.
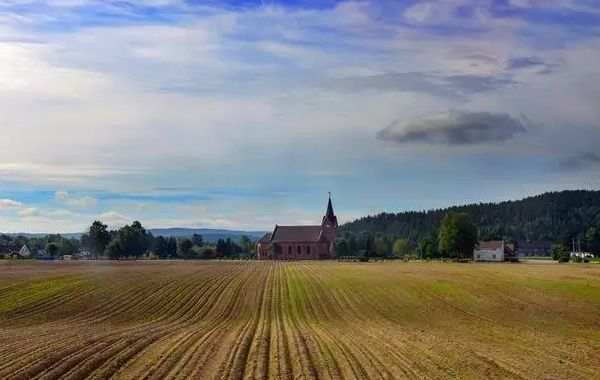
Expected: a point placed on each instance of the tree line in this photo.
(51, 245)
(455, 239)
(129, 241)
(134, 241)
(556, 217)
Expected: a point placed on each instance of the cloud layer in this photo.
(246, 114)
(456, 128)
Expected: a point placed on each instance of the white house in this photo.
(492, 250)
(24, 251)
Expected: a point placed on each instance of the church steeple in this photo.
(329, 220)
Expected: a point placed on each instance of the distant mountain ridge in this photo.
(208, 234)
(552, 216)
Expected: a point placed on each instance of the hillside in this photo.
(550, 216)
(209, 235)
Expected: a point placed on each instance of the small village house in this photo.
(24, 252)
(494, 250)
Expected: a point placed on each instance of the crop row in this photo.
(251, 320)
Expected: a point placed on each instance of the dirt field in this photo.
(299, 320)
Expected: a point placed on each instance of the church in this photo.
(301, 242)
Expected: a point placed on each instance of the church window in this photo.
(308, 249)
(290, 249)
(299, 249)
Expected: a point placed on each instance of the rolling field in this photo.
(321, 320)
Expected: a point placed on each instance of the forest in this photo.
(554, 216)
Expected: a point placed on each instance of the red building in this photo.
(300, 242)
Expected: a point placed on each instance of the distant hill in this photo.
(554, 216)
(209, 235)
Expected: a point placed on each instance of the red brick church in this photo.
(300, 242)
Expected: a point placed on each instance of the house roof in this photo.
(266, 238)
(491, 244)
(534, 244)
(296, 234)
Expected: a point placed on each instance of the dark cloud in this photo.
(520, 63)
(456, 128)
(580, 160)
(482, 58)
(451, 86)
(524, 63)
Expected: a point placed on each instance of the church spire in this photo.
(330, 219)
(329, 212)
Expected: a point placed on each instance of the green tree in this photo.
(160, 246)
(171, 247)
(52, 249)
(247, 246)
(67, 246)
(457, 236)
(184, 248)
(130, 240)
(401, 247)
(381, 246)
(560, 253)
(114, 249)
(340, 247)
(207, 253)
(592, 238)
(197, 240)
(84, 242)
(365, 243)
(426, 247)
(551, 216)
(352, 246)
(99, 237)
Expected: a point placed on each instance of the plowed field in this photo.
(321, 320)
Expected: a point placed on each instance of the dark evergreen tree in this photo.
(555, 216)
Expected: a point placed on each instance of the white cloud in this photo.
(28, 211)
(234, 99)
(9, 203)
(113, 217)
(75, 201)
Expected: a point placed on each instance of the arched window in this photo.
(290, 249)
(299, 249)
(308, 249)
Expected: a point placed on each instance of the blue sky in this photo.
(243, 114)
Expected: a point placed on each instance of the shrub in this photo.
(560, 253)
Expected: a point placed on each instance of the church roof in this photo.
(296, 234)
(266, 238)
(329, 212)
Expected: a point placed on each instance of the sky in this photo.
(244, 114)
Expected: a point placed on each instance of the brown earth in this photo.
(319, 320)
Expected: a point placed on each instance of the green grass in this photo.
(27, 293)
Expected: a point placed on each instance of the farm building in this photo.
(24, 252)
(494, 250)
(534, 248)
(300, 242)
